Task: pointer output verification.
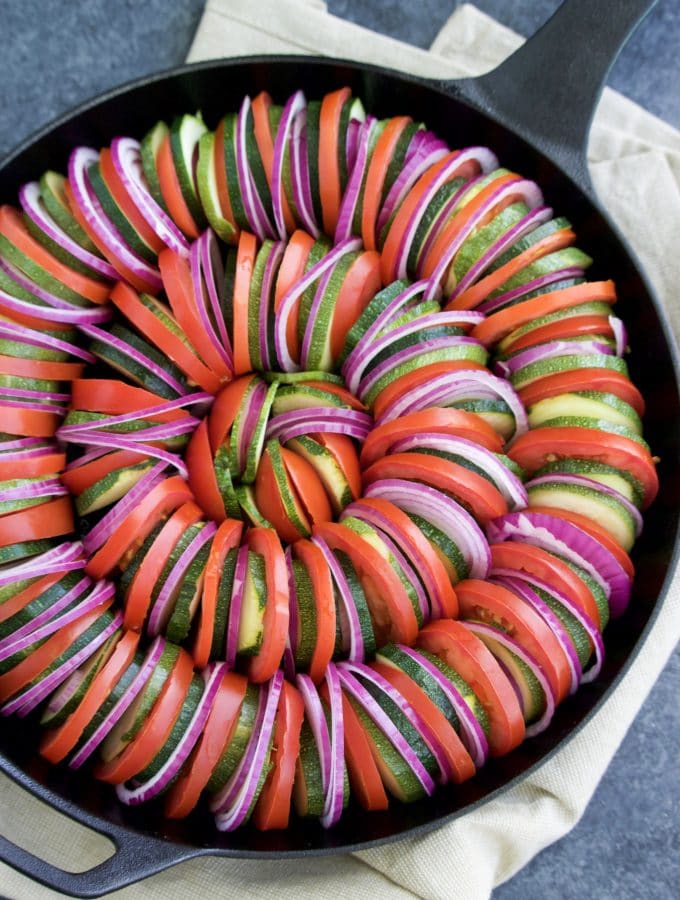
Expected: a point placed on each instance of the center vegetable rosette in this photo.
(320, 463)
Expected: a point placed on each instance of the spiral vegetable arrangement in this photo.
(350, 447)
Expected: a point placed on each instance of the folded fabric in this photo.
(467, 858)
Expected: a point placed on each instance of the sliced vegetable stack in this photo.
(320, 463)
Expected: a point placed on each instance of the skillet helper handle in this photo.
(136, 857)
(548, 89)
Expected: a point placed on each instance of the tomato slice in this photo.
(344, 452)
(499, 324)
(108, 395)
(13, 228)
(403, 385)
(45, 464)
(266, 541)
(186, 791)
(467, 655)
(268, 500)
(161, 500)
(308, 487)
(583, 380)
(37, 523)
(364, 776)
(172, 192)
(419, 550)
(245, 263)
(361, 284)
(227, 537)
(393, 240)
(460, 764)
(28, 422)
(40, 368)
(393, 616)
(492, 603)
(534, 449)
(329, 163)
(479, 291)
(569, 326)
(80, 478)
(167, 341)
(472, 490)
(292, 268)
(179, 287)
(324, 602)
(43, 656)
(549, 569)
(20, 600)
(57, 742)
(221, 179)
(273, 806)
(138, 595)
(224, 409)
(202, 478)
(438, 420)
(126, 204)
(156, 729)
(265, 145)
(376, 175)
(594, 530)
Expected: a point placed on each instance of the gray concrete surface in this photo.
(56, 53)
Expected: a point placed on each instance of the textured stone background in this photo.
(57, 53)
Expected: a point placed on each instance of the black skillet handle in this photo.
(548, 89)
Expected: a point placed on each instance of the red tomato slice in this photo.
(324, 601)
(166, 340)
(227, 537)
(265, 145)
(534, 449)
(496, 605)
(43, 656)
(20, 600)
(221, 179)
(438, 420)
(156, 729)
(472, 490)
(292, 268)
(45, 464)
(344, 452)
(583, 380)
(179, 287)
(245, 263)
(403, 386)
(568, 327)
(499, 324)
(361, 284)
(546, 568)
(36, 523)
(172, 192)
(264, 665)
(308, 487)
(161, 500)
(467, 655)
(420, 551)
(40, 368)
(202, 478)
(80, 478)
(125, 203)
(13, 228)
(186, 791)
(329, 149)
(138, 595)
(376, 175)
(441, 731)
(393, 616)
(594, 530)
(270, 503)
(57, 742)
(224, 409)
(273, 806)
(28, 422)
(107, 395)
(479, 291)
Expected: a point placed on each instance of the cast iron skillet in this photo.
(534, 111)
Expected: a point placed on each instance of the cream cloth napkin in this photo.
(467, 858)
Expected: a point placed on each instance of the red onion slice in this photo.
(208, 311)
(356, 652)
(333, 803)
(66, 557)
(366, 132)
(252, 202)
(299, 175)
(266, 311)
(312, 416)
(620, 334)
(550, 350)
(212, 269)
(14, 332)
(55, 310)
(47, 487)
(537, 284)
(231, 637)
(295, 105)
(116, 442)
(321, 289)
(314, 713)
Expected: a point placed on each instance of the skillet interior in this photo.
(215, 88)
